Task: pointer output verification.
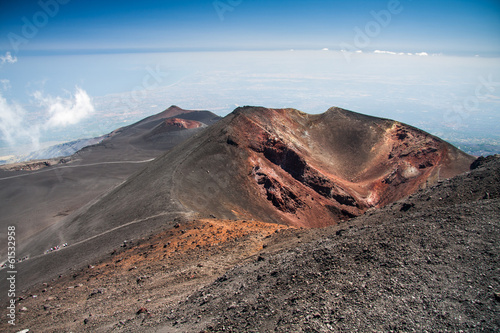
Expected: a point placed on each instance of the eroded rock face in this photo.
(336, 165)
(282, 197)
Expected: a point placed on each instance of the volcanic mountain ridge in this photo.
(35, 201)
(285, 166)
(331, 167)
(254, 167)
(272, 165)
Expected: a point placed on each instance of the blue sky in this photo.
(73, 69)
(453, 27)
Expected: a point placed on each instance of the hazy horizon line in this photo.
(111, 51)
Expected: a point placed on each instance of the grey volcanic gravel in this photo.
(426, 263)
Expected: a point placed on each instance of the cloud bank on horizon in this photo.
(420, 54)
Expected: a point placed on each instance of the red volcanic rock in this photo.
(282, 166)
(320, 169)
(172, 125)
(181, 123)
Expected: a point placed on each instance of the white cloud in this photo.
(61, 112)
(8, 58)
(384, 52)
(421, 54)
(13, 125)
(64, 112)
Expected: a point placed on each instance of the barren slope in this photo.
(280, 166)
(34, 201)
(147, 273)
(426, 263)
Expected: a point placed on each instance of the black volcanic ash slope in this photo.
(150, 136)
(426, 263)
(34, 201)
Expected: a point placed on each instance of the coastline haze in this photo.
(435, 92)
